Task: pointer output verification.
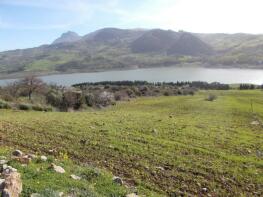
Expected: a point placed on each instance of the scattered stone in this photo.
(2, 184)
(2, 157)
(117, 180)
(132, 195)
(160, 168)
(32, 156)
(2, 162)
(259, 153)
(155, 131)
(75, 177)
(9, 170)
(13, 185)
(57, 169)
(51, 151)
(204, 189)
(43, 158)
(24, 159)
(5, 166)
(17, 153)
(255, 122)
(35, 195)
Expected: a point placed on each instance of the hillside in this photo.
(165, 146)
(115, 49)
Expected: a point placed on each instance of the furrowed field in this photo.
(160, 146)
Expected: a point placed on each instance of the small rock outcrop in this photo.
(117, 180)
(12, 186)
(17, 153)
(57, 169)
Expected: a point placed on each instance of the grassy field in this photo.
(160, 146)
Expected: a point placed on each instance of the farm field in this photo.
(160, 146)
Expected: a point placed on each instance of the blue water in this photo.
(169, 74)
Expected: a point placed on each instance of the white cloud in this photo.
(212, 16)
(228, 16)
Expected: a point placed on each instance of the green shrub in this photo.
(166, 93)
(54, 99)
(90, 100)
(4, 105)
(38, 108)
(23, 106)
(7, 97)
(48, 109)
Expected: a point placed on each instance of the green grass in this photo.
(197, 142)
(38, 177)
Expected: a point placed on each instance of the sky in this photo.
(30, 23)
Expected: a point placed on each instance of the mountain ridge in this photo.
(113, 48)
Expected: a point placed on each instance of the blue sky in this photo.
(29, 23)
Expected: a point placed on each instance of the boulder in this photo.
(12, 185)
(17, 153)
(57, 169)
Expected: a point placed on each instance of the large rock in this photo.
(17, 153)
(12, 185)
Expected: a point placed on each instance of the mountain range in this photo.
(115, 49)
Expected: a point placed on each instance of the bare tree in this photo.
(32, 84)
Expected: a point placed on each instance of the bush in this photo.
(23, 106)
(7, 97)
(90, 100)
(48, 109)
(166, 93)
(38, 108)
(4, 105)
(54, 99)
(104, 99)
(211, 97)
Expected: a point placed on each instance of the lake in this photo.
(168, 74)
